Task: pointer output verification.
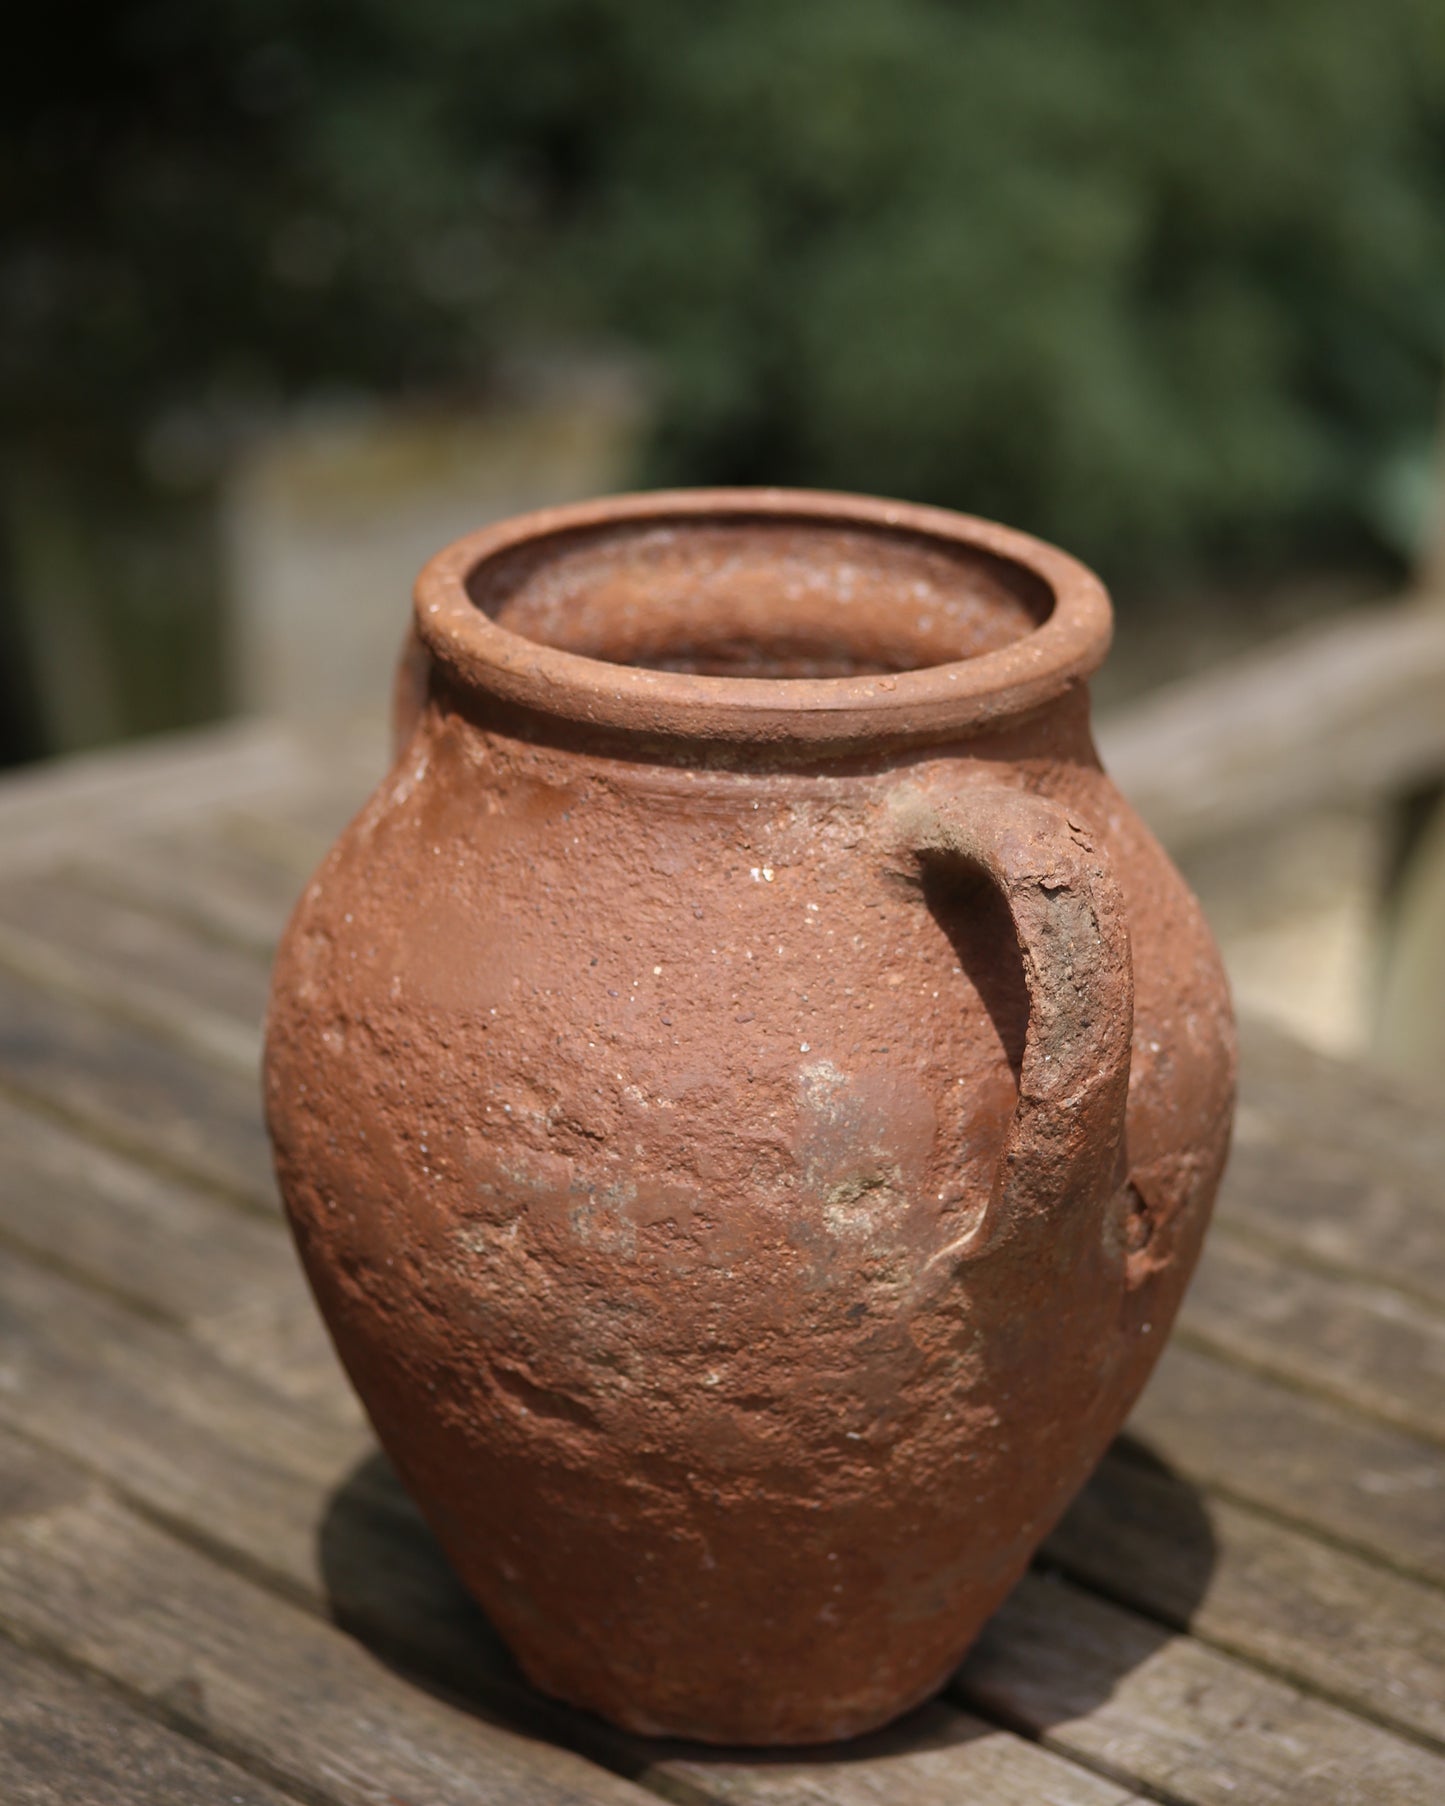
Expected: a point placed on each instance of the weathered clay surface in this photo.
(748, 1114)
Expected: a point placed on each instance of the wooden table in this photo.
(211, 1589)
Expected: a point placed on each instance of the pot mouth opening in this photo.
(759, 596)
(761, 615)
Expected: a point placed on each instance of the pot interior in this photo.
(766, 596)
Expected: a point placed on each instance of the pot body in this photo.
(633, 1117)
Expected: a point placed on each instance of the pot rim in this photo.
(928, 703)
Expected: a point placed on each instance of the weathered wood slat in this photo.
(1340, 1625)
(277, 1336)
(1333, 1166)
(937, 1757)
(1313, 1179)
(1351, 710)
(221, 889)
(1098, 1683)
(318, 813)
(262, 1680)
(1365, 1344)
(304, 1503)
(1369, 1120)
(177, 1253)
(118, 942)
(295, 830)
(147, 1408)
(136, 1090)
(1311, 1462)
(49, 811)
(1309, 1204)
(64, 1742)
(130, 964)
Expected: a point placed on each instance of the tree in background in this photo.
(1165, 284)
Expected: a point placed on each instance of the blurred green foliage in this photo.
(1164, 283)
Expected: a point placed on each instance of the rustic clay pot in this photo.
(749, 1093)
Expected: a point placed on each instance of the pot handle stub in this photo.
(1065, 1143)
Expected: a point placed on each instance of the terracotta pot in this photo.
(744, 1171)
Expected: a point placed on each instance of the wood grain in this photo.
(225, 891)
(937, 1757)
(135, 1090)
(147, 1408)
(172, 1252)
(1318, 1465)
(276, 1687)
(85, 1577)
(1303, 1201)
(1336, 1166)
(1336, 1623)
(49, 811)
(1096, 1682)
(1364, 1344)
(64, 1742)
(1363, 1115)
(298, 827)
(1341, 712)
(130, 963)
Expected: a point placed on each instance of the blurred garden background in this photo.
(292, 292)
